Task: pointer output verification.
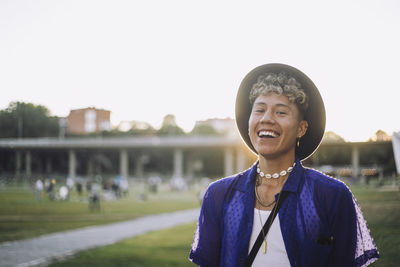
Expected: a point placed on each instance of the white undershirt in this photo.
(276, 253)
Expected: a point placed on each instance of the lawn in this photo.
(21, 216)
(170, 247)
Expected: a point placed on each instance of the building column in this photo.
(90, 167)
(355, 161)
(228, 162)
(240, 160)
(139, 166)
(189, 166)
(178, 162)
(18, 163)
(123, 163)
(48, 166)
(28, 162)
(72, 164)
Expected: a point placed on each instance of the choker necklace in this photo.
(274, 175)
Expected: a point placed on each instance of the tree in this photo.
(204, 129)
(331, 155)
(332, 137)
(380, 136)
(128, 129)
(21, 120)
(169, 126)
(141, 128)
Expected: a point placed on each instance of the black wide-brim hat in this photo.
(314, 115)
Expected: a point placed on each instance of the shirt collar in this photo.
(293, 181)
(247, 179)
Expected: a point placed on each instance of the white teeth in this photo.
(268, 134)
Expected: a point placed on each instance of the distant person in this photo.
(116, 189)
(79, 187)
(70, 183)
(94, 197)
(63, 193)
(88, 185)
(39, 189)
(124, 186)
(279, 213)
(46, 184)
(50, 189)
(154, 182)
(120, 186)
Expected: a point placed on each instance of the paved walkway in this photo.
(41, 250)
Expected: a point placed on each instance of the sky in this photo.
(143, 60)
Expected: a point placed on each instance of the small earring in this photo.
(298, 142)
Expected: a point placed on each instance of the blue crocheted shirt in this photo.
(321, 222)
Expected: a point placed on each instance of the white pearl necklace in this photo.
(275, 175)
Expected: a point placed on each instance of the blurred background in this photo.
(115, 110)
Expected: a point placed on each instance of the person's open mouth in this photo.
(268, 134)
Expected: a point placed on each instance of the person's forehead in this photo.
(273, 98)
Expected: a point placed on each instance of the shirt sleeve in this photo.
(366, 251)
(207, 239)
(354, 245)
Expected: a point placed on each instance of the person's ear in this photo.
(303, 126)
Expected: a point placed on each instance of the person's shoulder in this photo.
(324, 181)
(330, 193)
(226, 182)
(219, 189)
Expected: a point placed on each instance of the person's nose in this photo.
(268, 118)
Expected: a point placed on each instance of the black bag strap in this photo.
(267, 224)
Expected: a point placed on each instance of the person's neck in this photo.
(276, 165)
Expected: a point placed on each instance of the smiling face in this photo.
(274, 125)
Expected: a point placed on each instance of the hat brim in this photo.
(314, 115)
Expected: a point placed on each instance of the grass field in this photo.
(170, 247)
(21, 216)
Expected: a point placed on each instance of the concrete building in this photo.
(172, 156)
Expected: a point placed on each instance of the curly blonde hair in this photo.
(280, 83)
